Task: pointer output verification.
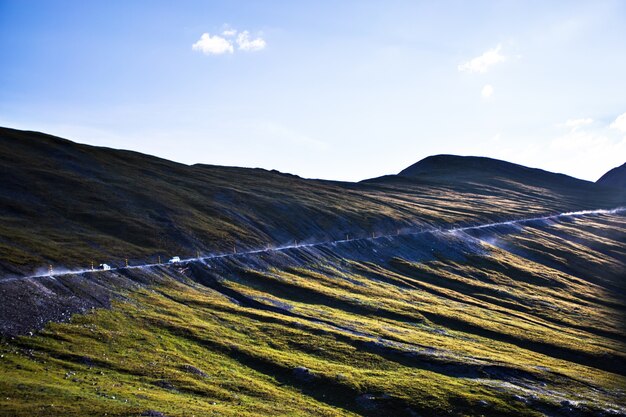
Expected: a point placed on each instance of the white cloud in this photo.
(577, 123)
(484, 62)
(247, 44)
(213, 45)
(590, 151)
(583, 147)
(583, 154)
(487, 91)
(217, 45)
(583, 141)
(619, 123)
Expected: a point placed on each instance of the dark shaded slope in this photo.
(614, 178)
(71, 204)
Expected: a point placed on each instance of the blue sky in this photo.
(341, 91)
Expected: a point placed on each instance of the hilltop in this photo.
(614, 178)
(453, 168)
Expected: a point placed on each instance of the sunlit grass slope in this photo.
(506, 320)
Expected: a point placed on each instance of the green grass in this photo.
(435, 346)
(248, 365)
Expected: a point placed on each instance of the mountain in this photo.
(614, 178)
(452, 167)
(462, 286)
(88, 204)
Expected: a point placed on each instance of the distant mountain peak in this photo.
(461, 170)
(449, 163)
(615, 177)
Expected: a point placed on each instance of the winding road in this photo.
(572, 214)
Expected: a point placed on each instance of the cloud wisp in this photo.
(575, 124)
(482, 63)
(487, 91)
(246, 44)
(225, 43)
(619, 123)
(589, 144)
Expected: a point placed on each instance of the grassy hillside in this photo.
(70, 204)
(424, 311)
(486, 322)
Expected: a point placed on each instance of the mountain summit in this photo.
(615, 177)
(454, 167)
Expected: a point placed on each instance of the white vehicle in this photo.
(174, 260)
(104, 267)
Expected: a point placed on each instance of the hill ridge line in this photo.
(306, 245)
